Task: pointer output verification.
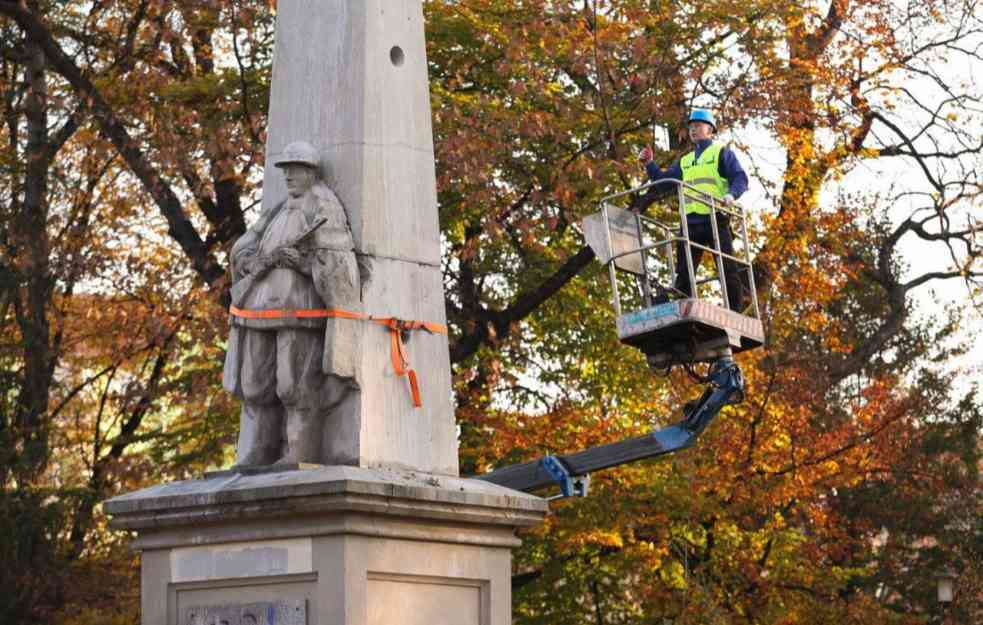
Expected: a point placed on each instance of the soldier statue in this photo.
(291, 358)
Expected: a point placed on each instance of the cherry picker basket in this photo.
(669, 326)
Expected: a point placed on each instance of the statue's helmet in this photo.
(298, 152)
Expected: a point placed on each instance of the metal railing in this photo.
(686, 193)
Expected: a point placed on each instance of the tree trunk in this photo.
(36, 282)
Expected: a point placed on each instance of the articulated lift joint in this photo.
(725, 385)
(570, 485)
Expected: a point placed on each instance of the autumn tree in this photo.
(776, 519)
(131, 133)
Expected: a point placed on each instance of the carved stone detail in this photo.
(295, 372)
(264, 613)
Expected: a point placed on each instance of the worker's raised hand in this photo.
(646, 155)
(729, 200)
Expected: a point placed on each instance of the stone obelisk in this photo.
(396, 536)
(350, 77)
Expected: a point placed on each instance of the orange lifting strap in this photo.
(396, 328)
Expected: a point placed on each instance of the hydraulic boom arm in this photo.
(725, 385)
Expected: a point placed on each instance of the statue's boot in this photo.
(303, 436)
(341, 422)
(260, 427)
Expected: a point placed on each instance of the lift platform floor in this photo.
(689, 330)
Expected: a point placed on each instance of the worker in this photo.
(715, 170)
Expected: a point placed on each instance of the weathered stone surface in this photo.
(423, 602)
(351, 78)
(335, 84)
(243, 498)
(296, 375)
(241, 559)
(357, 545)
(392, 432)
(264, 613)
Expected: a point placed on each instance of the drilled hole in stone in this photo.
(396, 56)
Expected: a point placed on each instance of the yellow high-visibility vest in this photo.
(704, 174)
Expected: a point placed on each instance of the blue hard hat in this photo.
(703, 115)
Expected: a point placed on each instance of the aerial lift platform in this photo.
(671, 328)
(692, 327)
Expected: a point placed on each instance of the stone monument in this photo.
(344, 506)
(291, 356)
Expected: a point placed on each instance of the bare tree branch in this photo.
(180, 227)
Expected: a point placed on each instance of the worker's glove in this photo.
(646, 155)
(729, 200)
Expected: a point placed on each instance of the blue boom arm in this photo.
(725, 385)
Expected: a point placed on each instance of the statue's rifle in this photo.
(244, 285)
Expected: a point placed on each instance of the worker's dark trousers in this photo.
(701, 232)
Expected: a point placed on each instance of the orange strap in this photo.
(396, 328)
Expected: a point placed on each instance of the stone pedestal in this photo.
(326, 546)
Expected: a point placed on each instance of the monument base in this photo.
(326, 546)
